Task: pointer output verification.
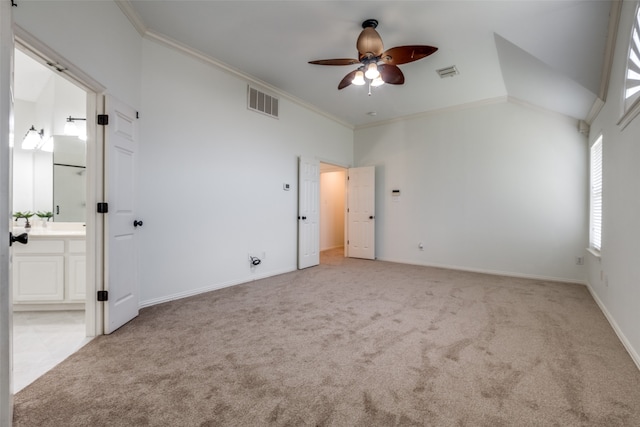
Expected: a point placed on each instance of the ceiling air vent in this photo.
(448, 71)
(262, 102)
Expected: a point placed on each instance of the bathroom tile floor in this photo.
(41, 340)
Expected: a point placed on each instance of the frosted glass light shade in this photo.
(32, 139)
(377, 81)
(372, 71)
(358, 80)
(70, 128)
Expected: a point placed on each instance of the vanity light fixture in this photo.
(70, 127)
(33, 139)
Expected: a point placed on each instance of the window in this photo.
(595, 173)
(631, 96)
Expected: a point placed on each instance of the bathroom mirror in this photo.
(69, 179)
(54, 182)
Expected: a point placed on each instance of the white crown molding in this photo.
(168, 42)
(612, 34)
(128, 10)
(607, 64)
(473, 104)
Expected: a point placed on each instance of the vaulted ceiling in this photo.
(547, 53)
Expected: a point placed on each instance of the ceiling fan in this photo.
(377, 66)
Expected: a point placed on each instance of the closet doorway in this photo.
(333, 196)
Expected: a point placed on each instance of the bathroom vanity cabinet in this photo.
(50, 271)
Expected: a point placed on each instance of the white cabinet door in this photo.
(76, 270)
(38, 278)
(76, 278)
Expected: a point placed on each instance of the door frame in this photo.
(332, 163)
(95, 169)
(6, 130)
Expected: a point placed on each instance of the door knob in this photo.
(137, 223)
(22, 238)
(304, 218)
(371, 216)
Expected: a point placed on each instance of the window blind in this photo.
(595, 236)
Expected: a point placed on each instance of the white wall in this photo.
(332, 209)
(211, 172)
(94, 36)
(212, 175)
(497, 188)
(614, 279)
(24, 116)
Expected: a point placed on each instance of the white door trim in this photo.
(6, 129)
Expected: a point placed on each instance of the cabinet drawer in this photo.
(77, 246)
(40, 247)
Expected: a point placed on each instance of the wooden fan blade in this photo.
(339, 61)
(391, 74)
(404, 54)
(346, 81)
(369, 41)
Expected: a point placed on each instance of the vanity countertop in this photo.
(60, 230)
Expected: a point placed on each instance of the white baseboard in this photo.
(198, 291)
(493, 272)
(625, 342)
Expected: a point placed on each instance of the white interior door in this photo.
(308, 212)
(121, 270)
(361, 194)
(6, 130)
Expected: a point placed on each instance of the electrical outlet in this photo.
(579, 260)
(421, 246)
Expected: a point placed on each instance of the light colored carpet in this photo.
(352, 343)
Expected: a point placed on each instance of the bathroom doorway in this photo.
(49, 204)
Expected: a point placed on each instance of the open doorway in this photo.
(333, 191)
(49, 204)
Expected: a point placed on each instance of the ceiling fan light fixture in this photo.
(372, 71)
(377, 81)
(358, 79)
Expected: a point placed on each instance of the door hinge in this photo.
(103, 119)
(103, 296)
(137, 115)
(103, 207)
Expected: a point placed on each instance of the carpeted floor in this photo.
(352, 343)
